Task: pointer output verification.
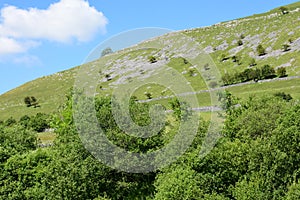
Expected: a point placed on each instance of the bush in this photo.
(185, 61)
(10, 121)
(27, 101)
(152, 59)
(223, 58)
(25, 121)
(192, 71)
(31, 101)
(252, 62)
(284, 96)
(260, 50)
(267, 72)
(108, 77)
(236, 59)
(39, 122)
(293, 192)
(284, 10)
(286, 47)
(148, 95)
(240, 43)
(281, 72)
(106, 51)
(249, 74)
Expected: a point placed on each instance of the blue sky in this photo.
(41, 37)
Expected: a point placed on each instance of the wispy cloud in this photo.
(64, 21)
(27, 60)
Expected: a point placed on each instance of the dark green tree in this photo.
(31, 101)
(152, 59)
(284, 10)
(106, 51)
(267, 72)
(27, 101)
(260, 50)
(240, 43)
(281, 72)
(39, 122)
(286, 47)
(10, 121)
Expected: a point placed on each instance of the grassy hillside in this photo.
(50, 92)
(238, 38)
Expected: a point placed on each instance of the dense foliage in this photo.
(257, 157)
(249, 74)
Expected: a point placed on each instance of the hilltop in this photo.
(232, 45)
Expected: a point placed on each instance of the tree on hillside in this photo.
(242, 36)
(148, 95)
(281, 72)
(31, 101)
(285, 47)
(106, 51)
(284, 10)
(152, 59)
(260, 50)
(240, 43)
(27, 101)
(223, 57)
(236, 59)
(267, 72)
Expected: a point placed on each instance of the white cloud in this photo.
(27, 60)
(9, 46)
(12, 46)
(63, 21)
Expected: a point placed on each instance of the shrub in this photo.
(27, 101)
(108, 77)
(223, 57)
(106, 51)
(152, 59)
(252, 62)
(285, 47)
(236, 59)
(284, 96)
(185, 61)
(249, 74)
(260, 50)
(39, 122)
(267, 72)
(281, 72)
(10, 121)
(148, 95)
(31, 101)
(284, 10)
(240, 43)
(24, 120)
(192, 71)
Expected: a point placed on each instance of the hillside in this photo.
(238, 38)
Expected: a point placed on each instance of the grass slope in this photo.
(271, 30)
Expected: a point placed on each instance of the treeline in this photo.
(249, 74)
(256, 158)
(38, 122)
